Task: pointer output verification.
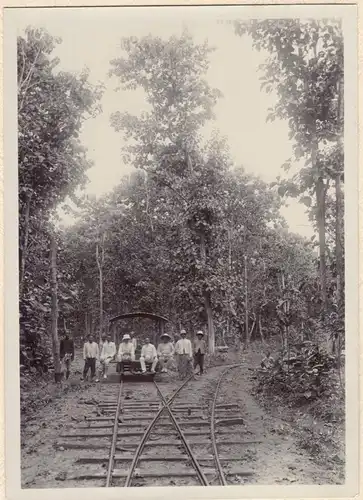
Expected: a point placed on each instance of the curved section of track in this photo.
(114, 437)
(221, 474)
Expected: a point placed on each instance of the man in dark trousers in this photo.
(199, 348)
(66, 351)
(90, 356)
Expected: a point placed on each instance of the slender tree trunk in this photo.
(338, 239)
(260, 328)
(320, 201)
(148, 203)
(24, 245)
(207, 299)
(209, 313)
(339, 209)
(246, 303)
(101, 303)
(229, 311)
(253, 326)
(54, 310)
(285, 335)
(100, 260)
(320, 194)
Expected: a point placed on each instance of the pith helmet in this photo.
(126, 337)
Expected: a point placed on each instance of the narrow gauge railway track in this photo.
(185, 427)
(221, 474)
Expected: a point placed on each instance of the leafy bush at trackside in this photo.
(301, 376)
(35, 355)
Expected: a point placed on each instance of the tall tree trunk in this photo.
(320, 202)
(320, 197)
(207, 299)
(209, 313)
(54, 310)
(246, 304)
(285, 335)
(253, 325)
(338, 239)
(24, 244)
(100, 257)
(260, 328)
(101, 304)
(229, 311)
(339, 209)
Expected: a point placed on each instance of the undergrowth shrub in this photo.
(216, 359)
(35, 358)
(302, 375)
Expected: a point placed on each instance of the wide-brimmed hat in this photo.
(126, 337)
(199, 332)
(183, 331)
(165, 335)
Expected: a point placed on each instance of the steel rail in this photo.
(212, 426)
(140, 448)
(111, 459)
(196, 465)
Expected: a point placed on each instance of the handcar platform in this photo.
(115, 378)
(138, 377)
(131, 372)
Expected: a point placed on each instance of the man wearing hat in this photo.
(165, 352)
(184, 352)
(148, 355)
(126, 350)
(199, 348)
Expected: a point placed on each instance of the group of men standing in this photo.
(183, 351)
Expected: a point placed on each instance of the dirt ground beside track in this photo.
(278, 457)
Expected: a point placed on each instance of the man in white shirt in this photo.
(165, 352)
(184, 352)
(108, 351)
(200, 349)
(126, 351)
(90, 355)
(148, 355)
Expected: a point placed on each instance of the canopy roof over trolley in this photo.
(159, 320)
(139, 314)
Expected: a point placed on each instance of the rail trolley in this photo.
(131, 370)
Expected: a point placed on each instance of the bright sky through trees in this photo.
(91, 37)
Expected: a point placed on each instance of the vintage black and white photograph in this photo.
(182, 245)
